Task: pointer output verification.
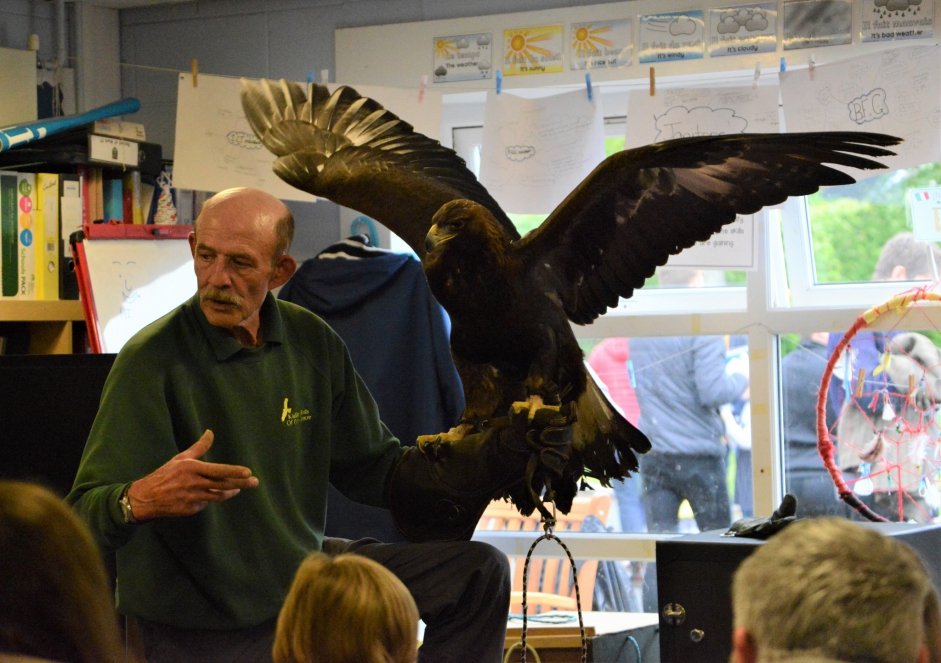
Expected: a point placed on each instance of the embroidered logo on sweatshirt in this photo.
(291, 417)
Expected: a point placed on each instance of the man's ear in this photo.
(283, 270)
(744, 649)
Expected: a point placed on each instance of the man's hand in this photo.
(185, 485)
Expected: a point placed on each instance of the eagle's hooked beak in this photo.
(431, 239)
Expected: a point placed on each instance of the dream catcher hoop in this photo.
(884, 444)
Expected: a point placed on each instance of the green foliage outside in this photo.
(850, 224)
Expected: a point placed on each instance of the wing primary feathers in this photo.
(506, 295)
(641, 206)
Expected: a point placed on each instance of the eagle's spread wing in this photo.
(349, 149)
(511, 299)
(640, 206)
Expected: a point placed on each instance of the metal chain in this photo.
(548, 524)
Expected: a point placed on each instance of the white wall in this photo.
(261, 38)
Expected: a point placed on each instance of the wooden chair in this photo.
(549, 583)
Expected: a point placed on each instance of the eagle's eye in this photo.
(453, 225)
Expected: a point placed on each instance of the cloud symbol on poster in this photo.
(758, 22)
(683, 26)
(896, 5)
(752, 19)
(728, 26)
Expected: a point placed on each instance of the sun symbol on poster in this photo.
(587, 40)
(445, 48)
(522, 48)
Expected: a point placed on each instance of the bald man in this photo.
(206, 469)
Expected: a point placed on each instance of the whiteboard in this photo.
(129, 283)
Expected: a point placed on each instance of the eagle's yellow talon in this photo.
(454, 435)
(530, 406)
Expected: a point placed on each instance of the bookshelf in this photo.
(87, 159)
(51, 324)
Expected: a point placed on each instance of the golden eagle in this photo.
(511, 299)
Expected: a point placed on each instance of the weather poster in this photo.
(536, 50)
(600, 44)
(463, 57)
(885, 20)
(673, 36)
(744, 30)
(817, 23)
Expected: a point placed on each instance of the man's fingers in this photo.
(229, 483)
(200, 446)
(223, 472)
(222, 495)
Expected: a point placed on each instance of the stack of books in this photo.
(103, 172)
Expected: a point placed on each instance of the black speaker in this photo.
(694, 579)
(48, 405)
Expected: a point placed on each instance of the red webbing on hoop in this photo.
(824, 443)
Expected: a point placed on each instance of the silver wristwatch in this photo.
(125, 503)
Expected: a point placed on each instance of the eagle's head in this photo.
(465, 224)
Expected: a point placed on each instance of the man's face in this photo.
(233, 259)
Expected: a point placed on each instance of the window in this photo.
(815, 258)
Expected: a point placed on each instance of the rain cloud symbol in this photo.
(896, 5)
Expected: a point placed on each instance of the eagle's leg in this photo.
(531, 405)
(455, 434)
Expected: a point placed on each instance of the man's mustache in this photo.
(221, 297)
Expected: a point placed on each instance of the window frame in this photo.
(779, 297)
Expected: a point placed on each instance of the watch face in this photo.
(125, 504)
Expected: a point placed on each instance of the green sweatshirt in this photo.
(294, 411)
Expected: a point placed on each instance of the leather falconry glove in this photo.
(441, 493)
(762, 528)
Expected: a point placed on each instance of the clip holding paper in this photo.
(783, 65)
(422, 84)
(811, 64)
(653, 82)
(588, 85)
(499, 81)
(754, 82)
(859, 383)
(194, 69)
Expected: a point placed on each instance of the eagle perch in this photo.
(511, 299)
